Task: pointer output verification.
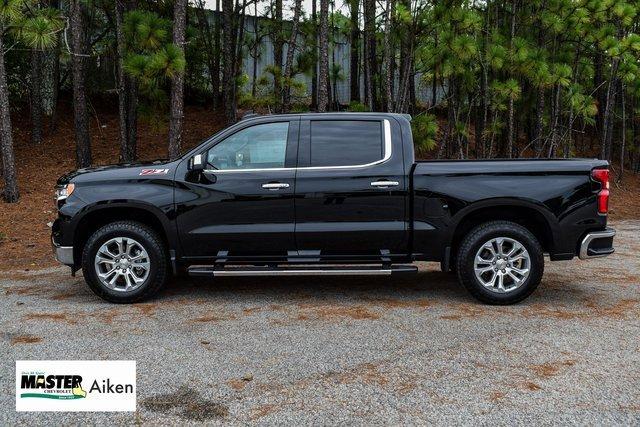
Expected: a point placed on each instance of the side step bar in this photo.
(207, 270)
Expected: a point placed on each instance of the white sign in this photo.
(75, 385)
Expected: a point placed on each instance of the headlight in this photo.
(64, 191)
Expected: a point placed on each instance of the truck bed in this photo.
(431, 167)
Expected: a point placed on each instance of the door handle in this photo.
(273, 186)
(385, 184)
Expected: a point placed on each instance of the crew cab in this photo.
(328, 194)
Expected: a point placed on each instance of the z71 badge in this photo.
(154, 171)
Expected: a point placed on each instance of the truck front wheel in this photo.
(125, 262)
(500, 262)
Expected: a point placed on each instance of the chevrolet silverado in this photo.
(328, 194)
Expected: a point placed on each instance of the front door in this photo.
(350, 189)
(242, 206)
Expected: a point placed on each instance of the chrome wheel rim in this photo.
(502, 265)
(122, 264)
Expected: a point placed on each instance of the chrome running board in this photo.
(205, 270)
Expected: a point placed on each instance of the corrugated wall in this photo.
(338, 53)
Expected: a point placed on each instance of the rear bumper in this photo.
(597, 244)
(63, 254)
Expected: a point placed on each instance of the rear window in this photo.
(346, 142)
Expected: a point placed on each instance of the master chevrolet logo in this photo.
(75, 385)
(53, 386)
(67, 386)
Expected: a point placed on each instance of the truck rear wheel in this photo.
(125, 262)
(500, 262)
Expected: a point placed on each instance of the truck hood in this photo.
(161, 167)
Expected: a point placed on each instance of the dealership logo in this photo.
(84, 385)
(52, 386)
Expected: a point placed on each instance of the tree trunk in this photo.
(610, 127)
(278, 44)
(177, 82)
(635, 139)
(605, 149)
(451, 116)
(482, 115)
(286, 99)
(131, 88)
(80, 113)
(510, 126)
(404, 86)
(434, 81)
(370, 62)
(598, 84)
(11, 193)
(511, 112)
(411, 96)
(215, 78)
(555, 108)
(434, 89)
(205, 33)
(122, 95)
(55, 77)
(229, 89)
(568, 136)
(539, 123)
(388, 56)
(323, 74)
(623, 138)
(36, 96)
(127, 92)
(254, 69)
(354, 63)
(241, 14)
(331, 89)
(538, 126)
(314, 74)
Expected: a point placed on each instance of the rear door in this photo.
(350, 188)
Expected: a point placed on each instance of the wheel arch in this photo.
(98, 216)
(532, 216)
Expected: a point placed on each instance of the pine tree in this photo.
(354, 55)
(291, 48)
(323, 73)
(10, 193)
(78, 59)
(177, 81)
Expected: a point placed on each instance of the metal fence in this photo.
(339, 54)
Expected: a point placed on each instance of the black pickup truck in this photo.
(328, 194)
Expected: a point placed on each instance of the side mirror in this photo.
(196, 163)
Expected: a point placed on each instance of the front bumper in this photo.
(63, 254)
(597, 244)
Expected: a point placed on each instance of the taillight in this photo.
(602, 176)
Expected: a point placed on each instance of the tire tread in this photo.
(482, 231)
(136, 228)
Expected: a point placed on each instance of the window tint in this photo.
(257, 147)
(345, 143)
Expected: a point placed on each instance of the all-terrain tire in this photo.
(151, 242)
(484, 233)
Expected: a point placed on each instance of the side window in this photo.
(261, 146)
(346, 143)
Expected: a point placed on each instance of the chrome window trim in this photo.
(387, 155)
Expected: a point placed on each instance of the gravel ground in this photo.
(363, 351)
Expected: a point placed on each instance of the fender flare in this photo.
(540, 208)
(168, 226)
